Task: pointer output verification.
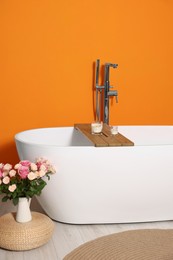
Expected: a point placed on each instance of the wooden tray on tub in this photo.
(105, 138)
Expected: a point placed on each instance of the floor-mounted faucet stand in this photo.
(103, 93)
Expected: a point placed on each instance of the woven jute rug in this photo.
(147, 244)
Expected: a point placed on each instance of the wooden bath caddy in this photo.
(105, 138)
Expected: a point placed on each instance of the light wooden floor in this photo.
(67, 237)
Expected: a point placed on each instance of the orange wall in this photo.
(47, 50)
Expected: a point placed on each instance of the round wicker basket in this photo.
(25, 236)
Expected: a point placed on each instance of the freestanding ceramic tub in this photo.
(104, 184)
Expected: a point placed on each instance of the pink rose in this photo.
(25, 163)
(5, 173)
(12, 187)
(17, 166)
(23, 172)
(6, 180)
(32, 176)
(41, 173)
(7, 167)
(1, 165)
(42, 166)
(1, 173)
(38, 165)
(12, 173)
(33, 167)
(40, 162)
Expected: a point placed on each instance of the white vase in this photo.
(23, 211)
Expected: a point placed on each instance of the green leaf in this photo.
(15, 201)
(4, 199)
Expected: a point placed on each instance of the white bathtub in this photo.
(107, 184)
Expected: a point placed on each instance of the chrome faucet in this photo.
(103, 93)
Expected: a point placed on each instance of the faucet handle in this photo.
(113, 93)
(100, 87)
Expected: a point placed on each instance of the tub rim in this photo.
(18, 139)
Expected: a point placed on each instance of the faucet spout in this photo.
(114, 65)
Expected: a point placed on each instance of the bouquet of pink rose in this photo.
(24, 180)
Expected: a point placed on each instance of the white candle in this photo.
(114, 130)
(96, 127)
